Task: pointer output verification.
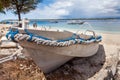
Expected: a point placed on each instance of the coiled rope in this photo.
(40, 40)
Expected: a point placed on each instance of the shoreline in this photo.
(61, 29)
(108, 38)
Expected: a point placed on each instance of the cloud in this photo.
(73, 9)
(8, 15)
(94, 8)
(78, 9)
(55, 10)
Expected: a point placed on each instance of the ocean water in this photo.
(107, 26)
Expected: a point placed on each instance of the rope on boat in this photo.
(40, 40)
(12, 56)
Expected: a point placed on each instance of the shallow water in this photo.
(109, 26)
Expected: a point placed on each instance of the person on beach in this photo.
(20, 25)
(35, 25)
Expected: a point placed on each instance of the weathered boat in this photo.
(51, 49)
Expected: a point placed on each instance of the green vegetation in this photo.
(3, 4)
(19, 6)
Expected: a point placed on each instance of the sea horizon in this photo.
(104, 25)
(109, 18)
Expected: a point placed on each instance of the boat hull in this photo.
(49, 58)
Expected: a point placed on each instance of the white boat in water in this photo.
(75, 22)
(51, 49)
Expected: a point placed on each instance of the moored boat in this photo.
(75, 22)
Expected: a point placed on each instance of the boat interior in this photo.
(56, 35)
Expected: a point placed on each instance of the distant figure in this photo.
(35, 25)
(20, 25)
(49, 27)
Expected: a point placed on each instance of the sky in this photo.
(62, 9)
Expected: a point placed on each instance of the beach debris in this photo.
(117, 75)
(5, 43)
(12, 56)
(109, 68)
(8, 44)
(20, 69)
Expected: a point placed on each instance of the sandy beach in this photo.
(59, 40)
(110, 39)
(66, 72)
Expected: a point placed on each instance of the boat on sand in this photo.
(51, 49)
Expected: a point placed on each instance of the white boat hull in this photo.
(49, 58)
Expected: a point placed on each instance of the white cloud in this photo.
(78, 8)
(75, 9)
(55, 10)
(95, 8)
